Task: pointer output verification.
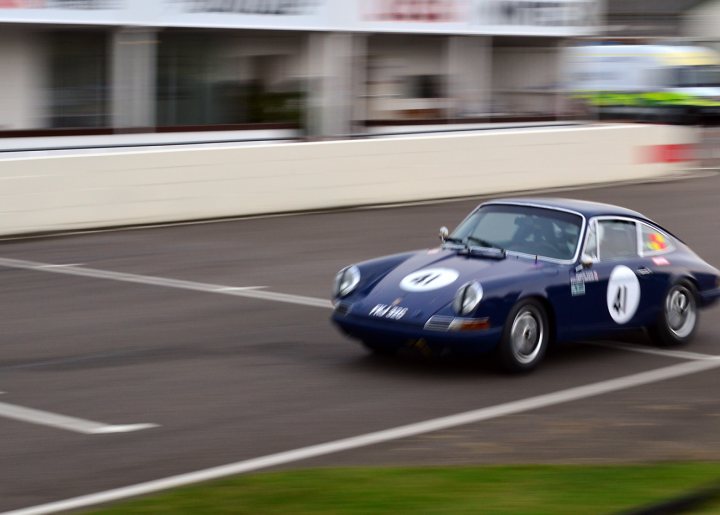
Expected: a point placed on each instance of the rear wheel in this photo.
(678, 321)
(525, 337)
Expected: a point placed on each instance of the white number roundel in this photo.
(623, 294)
(429, 279)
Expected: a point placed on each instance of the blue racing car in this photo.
(518, 274)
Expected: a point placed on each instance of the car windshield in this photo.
(529, 230)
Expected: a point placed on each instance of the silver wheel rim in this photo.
(680, 311)
(526, 335)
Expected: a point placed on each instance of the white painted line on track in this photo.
(66, 264)
(252, 292)
(77, 425)
(679, 354)
(468, 417)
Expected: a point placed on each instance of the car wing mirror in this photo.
(587, 260)
(444, 233)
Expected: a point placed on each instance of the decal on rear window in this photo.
(655, 242)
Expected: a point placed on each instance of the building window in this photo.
(425, 86)
(78, 79)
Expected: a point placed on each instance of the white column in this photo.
(133, 78)
(335, 64)
(469, 75)
(359, 93)
(24, 94)
(561, 96)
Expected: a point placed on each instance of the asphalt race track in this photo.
(165, 332)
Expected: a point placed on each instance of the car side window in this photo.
(617, 239)
(654, 242)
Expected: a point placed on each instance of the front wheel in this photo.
(678, 321)
(379, 349)
(525, 337)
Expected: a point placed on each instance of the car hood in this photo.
(428, 280)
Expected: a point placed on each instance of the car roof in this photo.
(584, 207)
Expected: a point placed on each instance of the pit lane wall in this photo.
(152, 186)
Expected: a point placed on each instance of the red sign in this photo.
(668, 153)
(21, 4)
(418, 11)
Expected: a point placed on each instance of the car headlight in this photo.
(467, 298)
(346, 281)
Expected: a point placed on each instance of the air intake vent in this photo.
(342, 308)
(438, 323)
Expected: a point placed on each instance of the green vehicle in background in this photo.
(658, 83)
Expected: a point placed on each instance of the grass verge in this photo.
(531, 489)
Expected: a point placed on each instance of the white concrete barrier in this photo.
(152, 186)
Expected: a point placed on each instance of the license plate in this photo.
(389, 312)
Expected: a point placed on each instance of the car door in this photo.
(610, 291)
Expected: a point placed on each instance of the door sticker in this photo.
(623, 294)
(429, 279)
(577, 282)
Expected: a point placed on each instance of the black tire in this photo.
(380, 350)
(525, 337)
(678, 319)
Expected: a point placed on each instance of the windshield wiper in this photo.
(484, 243)
(454, 243)
(481, 246)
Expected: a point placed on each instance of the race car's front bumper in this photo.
(474, 337)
